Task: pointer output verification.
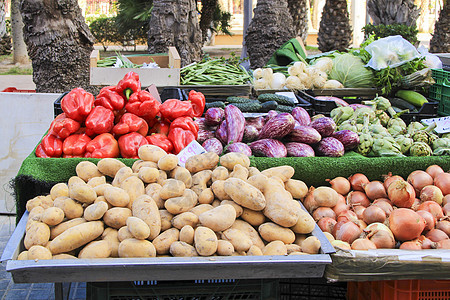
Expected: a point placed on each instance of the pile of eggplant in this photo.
(273, 135)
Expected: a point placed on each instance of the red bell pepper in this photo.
(128, 85)
(130, 123)
(75, 145)
(161, 126)
(102, 146)
(186, 123)
(198, 102)
(160, 140)
(50, 146)
(129, 144)
(143, 104)
(77, 104)
(99, 121)
(62, 126)
(174, 108)
(180, 138)
(109, 98)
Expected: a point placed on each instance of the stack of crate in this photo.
(440, 91)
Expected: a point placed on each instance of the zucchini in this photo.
(236, 99)
(400, 103)
(220, 104)
(412, 97)
(254, 106)
(285, 108)
(283, 100)
(269, 105)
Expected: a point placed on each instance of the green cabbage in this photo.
(349, 70)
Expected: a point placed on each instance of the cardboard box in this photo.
(167, 75)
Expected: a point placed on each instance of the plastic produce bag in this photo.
(431, 60)
(391, 51)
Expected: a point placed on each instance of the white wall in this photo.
(26, 117)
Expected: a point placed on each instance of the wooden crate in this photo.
(167, 75)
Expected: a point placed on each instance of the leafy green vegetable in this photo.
(350, 71)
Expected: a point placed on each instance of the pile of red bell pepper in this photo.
(120, 120)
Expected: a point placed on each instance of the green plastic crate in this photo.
(444, 106)
(439, 75)
(439, 91)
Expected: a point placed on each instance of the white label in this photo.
(443, 124)
(290, 95)
(192, 149)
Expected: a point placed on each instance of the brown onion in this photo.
(384, 205)
(434, 170)
(436, 235)
(425, 242)
(432, 207)
(347, 215)
(446, 199)
(375, 189)
(341, 245)
(359, 210)
(446, 210)
(416, 204)
(442, 181)
(431, 193)
(430, 221)
(411, 245)
(444, 225)
(444, 244)
(388, 179)
(380, 235)
(325, 196)
(419, 179)
(340, 185)
(406, 224)
(373, 214)
(322, 212)
(357, 198)
(340, 207)
(363, 244)
(361, 224)
(357, 180)
(346, 231)
(401, 193)
(309, 202)
(326, 224)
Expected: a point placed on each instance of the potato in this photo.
(182, 174)
(152, 190)
(52, 216)
(199, 209)
(134, 187)
(254, 251)
(59, 190)
(181, 204)
(206, 196)
(72, 209)
(219, 173)
(38, 252)
(293, 248)
(258, 180)
(305, 223)
(37, 234)
(244, 194)
(216, 203)
(116, 196)
(100, 189)
(102, 199)
(203, 161)
(123, 233)
(239, 209)
(64, 256)
(163, 241)
(311, 245)
(329, 236)
(166, 219)
(122, 174)
(138, 228)
(145, 208)
(280, 206)
(76, 237)
(95, 211)
(187, 234)
(136, 248)
(185, 218)
(240, 241)
(86, 170)
(96, 249)
(96, 181)
(168, 162)
(23, 255)
(224, 248)
(116, 217)
(162, 177)
(110, 166)
(297, 188)
(282, 172)
(218, 188)
(35, 215)
(202, 178)
(275, 248)
(182, 249)
(231, 159)
(60, 228)
(112, 236)
(138, 164)
(205, 241)
(218, 218)
(148, 175)
(172, 188)
(249, 231)
(239, 172)
(299, 238)
(150, 153)
(271, 232)
(82, 193)
(253, 171)
(74, 180)
(44, 201)
(254, 218)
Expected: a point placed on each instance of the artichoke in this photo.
(395, 130)
(404, 142)
(445, 135)
(413, 127)
(397, 122)
(348, 125)
(365, 139)
(420, 149)
(378, 129)
(441, 146)
(341, 114)
(386, 147)
(424, 135)
(383, 117)
(381, 103)
(318, 116)
(363, 111)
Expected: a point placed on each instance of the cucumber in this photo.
(254, 106)
(283, 100)
(220, 104)
(400, 103)
(236, 99)
(412, 97)
(285, 108)
(269, 105)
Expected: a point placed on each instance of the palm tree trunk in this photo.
(208, 8)
(440, 42)
(393, 12)
(299, 10)
(20, 54)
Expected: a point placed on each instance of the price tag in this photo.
(443, 124)
(290, 95)
(192, 149)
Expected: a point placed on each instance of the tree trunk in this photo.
(208, 8)
(269, 29)
(389, 12)
(5, 39)
(299, 10)
(423, 23)
(440, 42)
(175, 23)
(335, 32)
(59, 44)
(20, 54)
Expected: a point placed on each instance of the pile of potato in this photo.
(212, 206)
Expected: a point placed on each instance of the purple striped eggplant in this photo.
(301, 115)
(348, 138)
(299, 150)
(338, 101)
(204, 134)
(257, 122)
(214, 116)
(325, 126)
(304, 134)
(270, 115)
(268, 148)
(201, 123)
(250, 133)
(239, 147)
(331, 147)
(277, 127)
(221, 132)
(235, 124)
(213, 145)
